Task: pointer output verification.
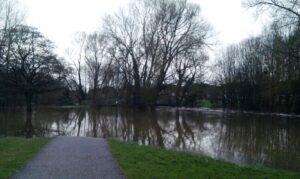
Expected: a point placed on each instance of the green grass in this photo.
(204, 103)
(14, 152)
(150, 162)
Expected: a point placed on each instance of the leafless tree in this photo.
(150, 35)
(188, 68)
(76, 55)
(286, 12)
(97, 60)
(10, 17)
(33, 68)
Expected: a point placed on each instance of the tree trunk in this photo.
(94, 101)
(29, 97)
(177, 94)
(137, 87)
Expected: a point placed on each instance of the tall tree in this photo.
(97, 59)
(150, 35)
(76, 55)
(10, 16)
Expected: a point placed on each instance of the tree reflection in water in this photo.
(28, 129)
(237, 137)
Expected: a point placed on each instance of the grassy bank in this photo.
(14, 152)
(149, 162)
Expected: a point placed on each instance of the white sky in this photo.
(59, 20)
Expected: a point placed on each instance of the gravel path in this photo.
(72, 157)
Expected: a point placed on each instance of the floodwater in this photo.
(243, 138)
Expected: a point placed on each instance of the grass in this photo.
(151, 162)
(14, 152)
(204, 103)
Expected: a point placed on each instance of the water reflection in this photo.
(28, 129)
(237, 137)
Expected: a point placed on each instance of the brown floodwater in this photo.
(243, 138)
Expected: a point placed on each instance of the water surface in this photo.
(243, 138)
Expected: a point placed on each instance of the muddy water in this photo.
(243, 138)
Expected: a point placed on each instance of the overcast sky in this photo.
(59, 20)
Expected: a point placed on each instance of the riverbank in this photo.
(224, 110)
(14, 152)
(151, 162)
(136, 161)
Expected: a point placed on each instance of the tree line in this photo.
(152, 53)
(263, 72)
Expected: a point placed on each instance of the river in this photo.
(243, 138)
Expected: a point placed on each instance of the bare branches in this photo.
(286, 12)
(150, 35)
(32, 67)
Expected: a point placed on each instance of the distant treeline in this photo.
(263, 73)
(154, 53)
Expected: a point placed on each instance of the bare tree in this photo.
(76, 55)
(188, 68)
(33, 68)
(10, 17)
(286, 12)
(150, 35)
(96, 55)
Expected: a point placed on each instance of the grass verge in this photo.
(151, 162)
(14, 152)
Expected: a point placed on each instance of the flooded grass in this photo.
(14, 152)
(152, 162)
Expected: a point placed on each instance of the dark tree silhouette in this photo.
(33, 68)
